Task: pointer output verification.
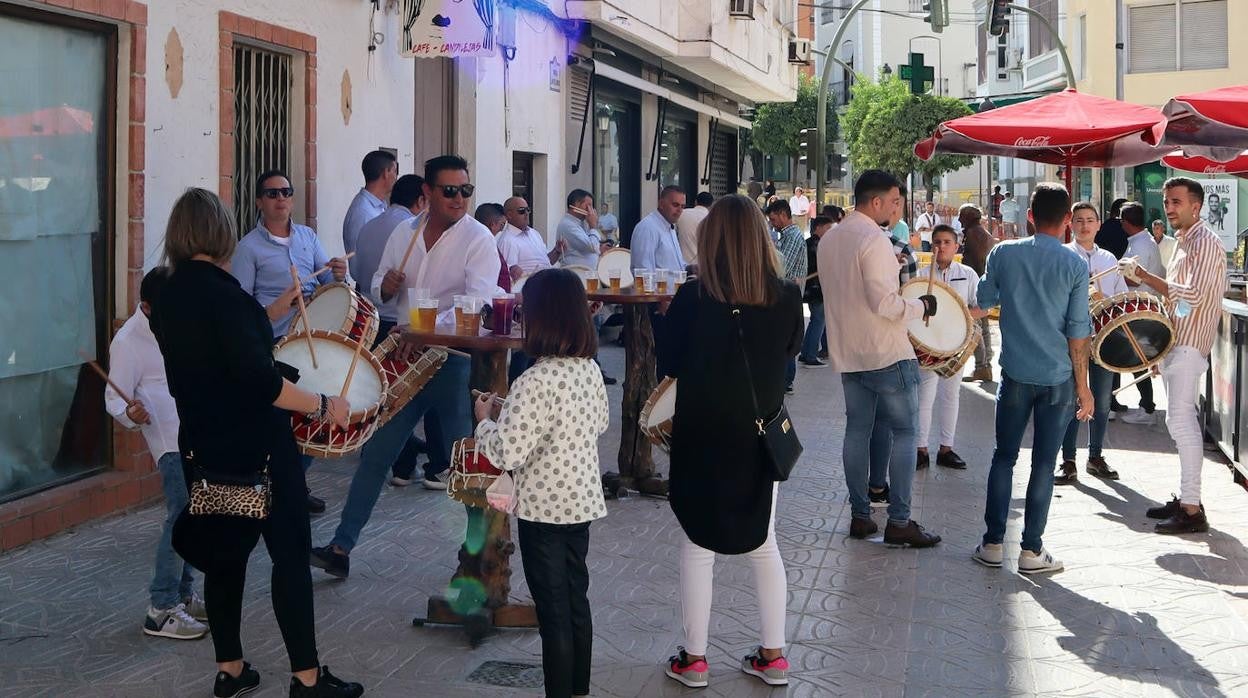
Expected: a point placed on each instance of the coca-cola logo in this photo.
(1215, 169)
(1034, 142)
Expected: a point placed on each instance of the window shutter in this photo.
(1204, 35)
(578, 94)
(1153, 34)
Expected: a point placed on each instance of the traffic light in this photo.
(836, 166)
(808, 146)
(998, 21)
(936, 14)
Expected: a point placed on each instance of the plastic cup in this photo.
(503, 306)
(639, 281)
(426, 315)
(646, 283)
(679, 278)
(614, 275)
(472, 315)
(660, 281)
(458, 301)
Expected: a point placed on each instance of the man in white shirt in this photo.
(608, 223)
(936, 391)
(450, 254)
(1086, 222)
(687, 226)
(1009, 214)
(1165, 244)
(523, 247)
(880, 376)
(925, 224)
(799, 204)
(407, 200)
(381, 170)
(137, 368)
(578, 231)
(655, 244)
(1142, 247)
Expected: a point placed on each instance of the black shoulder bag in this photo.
(781, 447)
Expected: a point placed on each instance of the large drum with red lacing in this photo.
(1131, 331)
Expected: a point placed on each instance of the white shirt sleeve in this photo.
(481, 271)
(124, 370)
(644, 243)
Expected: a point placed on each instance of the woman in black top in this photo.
(720, 491)
(233, 405)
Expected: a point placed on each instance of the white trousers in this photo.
(944, 395)
(1181, 372)
(697, 578)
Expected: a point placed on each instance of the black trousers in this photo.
(554, 566)
(288, 537)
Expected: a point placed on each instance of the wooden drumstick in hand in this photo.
(931, 281)
(96, 367)
(303, 314)
(325, 268)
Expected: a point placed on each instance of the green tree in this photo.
(777, 125)
(883, 122)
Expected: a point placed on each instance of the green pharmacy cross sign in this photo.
(921, 77)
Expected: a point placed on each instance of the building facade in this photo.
(114, 107)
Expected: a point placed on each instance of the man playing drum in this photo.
(1086, 221)
(1195, 281)
(933, 387)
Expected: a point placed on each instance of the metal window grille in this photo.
(723, 155)
(262, 106)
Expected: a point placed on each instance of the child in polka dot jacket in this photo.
(546, 433)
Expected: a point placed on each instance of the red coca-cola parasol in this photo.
(1217, 119)
(1066, 128)
(53, 121)
(1203, 165)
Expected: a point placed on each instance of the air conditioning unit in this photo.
(742, 9)
(799, 51)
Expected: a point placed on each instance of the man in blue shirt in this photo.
(1042, 288)
(655, 244)
(381, 170)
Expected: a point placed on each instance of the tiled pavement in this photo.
(1133, 614)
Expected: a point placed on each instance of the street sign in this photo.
(919, 75)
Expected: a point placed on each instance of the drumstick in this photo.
(931, 280)
(497, 400)
(810, 276)
(91, 362)
(355, 359)
(578, 209)
(1105, 272)
(410, 246)
(303, 313)
(325, 268)
(449, 350)
(1148, 373)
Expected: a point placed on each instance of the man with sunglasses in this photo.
(451, 254)
(523, 247)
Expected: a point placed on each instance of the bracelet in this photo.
(321, 412)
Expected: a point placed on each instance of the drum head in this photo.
(662, 405)
(1117, 353)
(329, 307)
(616, 258)
(333, 361)
(949, 328)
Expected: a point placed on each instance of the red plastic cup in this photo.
(503, 309)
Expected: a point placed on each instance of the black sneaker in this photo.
(811, 363)
(316, 505)
(334, 563)
(788, 389)
(1183, 522)
(227, 686)
(608, 380)
(878, 498)
(1068, 473)
(950, 459)
(327, 686)
(922, 461)
(1097, 467)
(822, 355)
(1164, 511)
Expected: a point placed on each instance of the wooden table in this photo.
(636, 462)
(483, 578)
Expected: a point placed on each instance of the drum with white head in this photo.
(656, 415)
(616, 258)
(947, 332)
(339, 308)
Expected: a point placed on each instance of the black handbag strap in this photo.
(749, 374)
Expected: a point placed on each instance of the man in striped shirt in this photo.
(1195, 282)
(792, 247)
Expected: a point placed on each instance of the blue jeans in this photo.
(889, 396)
(814, 332)
(446, 395)
(1102, 382)
(881, 451)
(1049, 408)
(172, 580)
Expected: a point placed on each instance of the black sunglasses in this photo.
(450, 190)
(278, 192)
(522, 209)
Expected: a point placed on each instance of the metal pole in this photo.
(1120, 174)
(821, 123)
(1057, 39)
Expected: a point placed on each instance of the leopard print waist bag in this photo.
(247, 496)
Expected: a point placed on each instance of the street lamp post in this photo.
(822, 117)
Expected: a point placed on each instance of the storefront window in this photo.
(617, 157)
(54, 299)
(678, 156)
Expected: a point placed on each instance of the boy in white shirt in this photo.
(136, 367)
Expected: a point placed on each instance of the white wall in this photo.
(182, 133)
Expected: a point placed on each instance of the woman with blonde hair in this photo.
(738, 309)
(234, 403)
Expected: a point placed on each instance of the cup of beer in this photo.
(591, 281)
(472, 315)
(458, 302)
(503, 307)
(647, 281)
(426, 312)
(660, 281)
(614, 276)
(639, 281)
(679, 278)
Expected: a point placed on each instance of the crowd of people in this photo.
(197, 357)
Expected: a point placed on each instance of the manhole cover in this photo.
(508, 675)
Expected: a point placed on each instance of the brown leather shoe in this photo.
(1183, 522)
(911, 535)
(980, 374)
(922, 460)
(1068, 475)
(1099, 468)
(950, 459)
(861, 528)
(1166, 510)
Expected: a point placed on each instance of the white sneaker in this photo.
(1139, 416)
(397, 481)
(1033, 563)
(195, 607)
(438, 481)
(173, 623)
(988, 554)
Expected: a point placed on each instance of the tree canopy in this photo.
(777, 125)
